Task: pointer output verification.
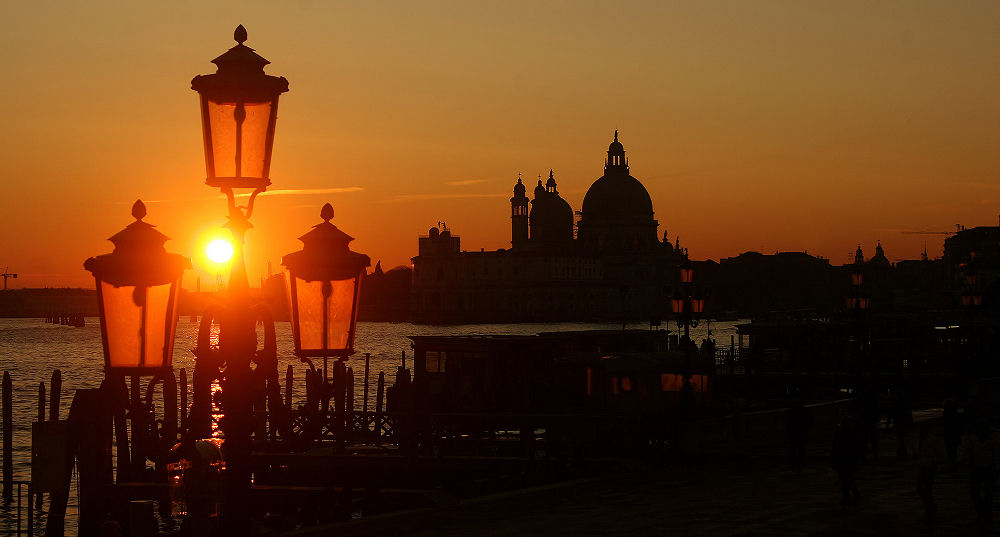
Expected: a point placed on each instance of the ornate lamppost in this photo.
(137, 289)
(239, 109)
(324, 282)
(857, 304)
(686, 306)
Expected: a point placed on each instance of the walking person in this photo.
(983, 455)
(844, 459)
(951, 429)
(797, 424)
(902, 420)
(930, 452)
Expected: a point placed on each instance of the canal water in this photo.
(31, 349)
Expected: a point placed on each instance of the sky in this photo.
(766, 126)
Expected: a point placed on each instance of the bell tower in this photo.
(518, 216)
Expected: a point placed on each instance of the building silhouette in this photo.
(609, 266)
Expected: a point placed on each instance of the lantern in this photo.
(677, 304)
(323, 282)
(697, 305)
(856, 278)
(687, 273)
(137, 288)
(239, 107)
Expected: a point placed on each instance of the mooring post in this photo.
(41, 418)
(364, 400)
(55, 389)
(349, 399)
(169, 408)
(404, 358)
(182, 411)
(289, 378)
(379, 404)
(339, 390)
(7, 398)
(41, 401)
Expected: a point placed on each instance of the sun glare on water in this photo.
(219, 251)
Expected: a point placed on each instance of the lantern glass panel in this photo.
(856, 278)
(677, 305)
(698, 304)
(687, 275)
(140, 323)
(340, 313)
(239, 138)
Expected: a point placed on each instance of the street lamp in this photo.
(137, 288)
(324, 279)
(239, 105)
(685, 306)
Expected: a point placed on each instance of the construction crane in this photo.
(958, 228)
(7, 274)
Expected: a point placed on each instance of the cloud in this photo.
(466, 182)
(286, 192)
(307, 191)
(448, 196)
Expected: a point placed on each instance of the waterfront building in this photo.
(609, 266)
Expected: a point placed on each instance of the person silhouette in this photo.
(844, 459)
(797, 424)
(983, 455)
(951, 429)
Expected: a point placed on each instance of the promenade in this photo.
(754, 495)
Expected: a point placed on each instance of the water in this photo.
(31, 349)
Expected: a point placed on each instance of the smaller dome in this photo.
(551, 183)
(539, 190)
(616, 147)
(433, 233)
(519, 188)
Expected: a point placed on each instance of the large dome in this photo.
(617, 195)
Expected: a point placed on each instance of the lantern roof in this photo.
(139, 257)
(325, 253)
(240, 75)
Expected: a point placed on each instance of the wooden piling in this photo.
(41, 401)
(118, 397)
(349, 399)
(310, 390)
(404, 359)
(182, 414)
(41, 417)
(55, 389)
(339, 391)
(169, 408)
(379, 404)
(364, 400)
(289, 378)
(6, 402)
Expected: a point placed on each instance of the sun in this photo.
(219, 251)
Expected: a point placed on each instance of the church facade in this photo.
(611, 265)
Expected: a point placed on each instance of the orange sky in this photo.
(781, 125)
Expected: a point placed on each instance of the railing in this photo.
(24, 527)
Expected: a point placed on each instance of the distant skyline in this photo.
(763, 126)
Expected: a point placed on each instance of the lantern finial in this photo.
(326, 213)
(240, 35)
(138, 210)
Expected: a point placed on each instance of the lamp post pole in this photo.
(239, 110)
(685, 306)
